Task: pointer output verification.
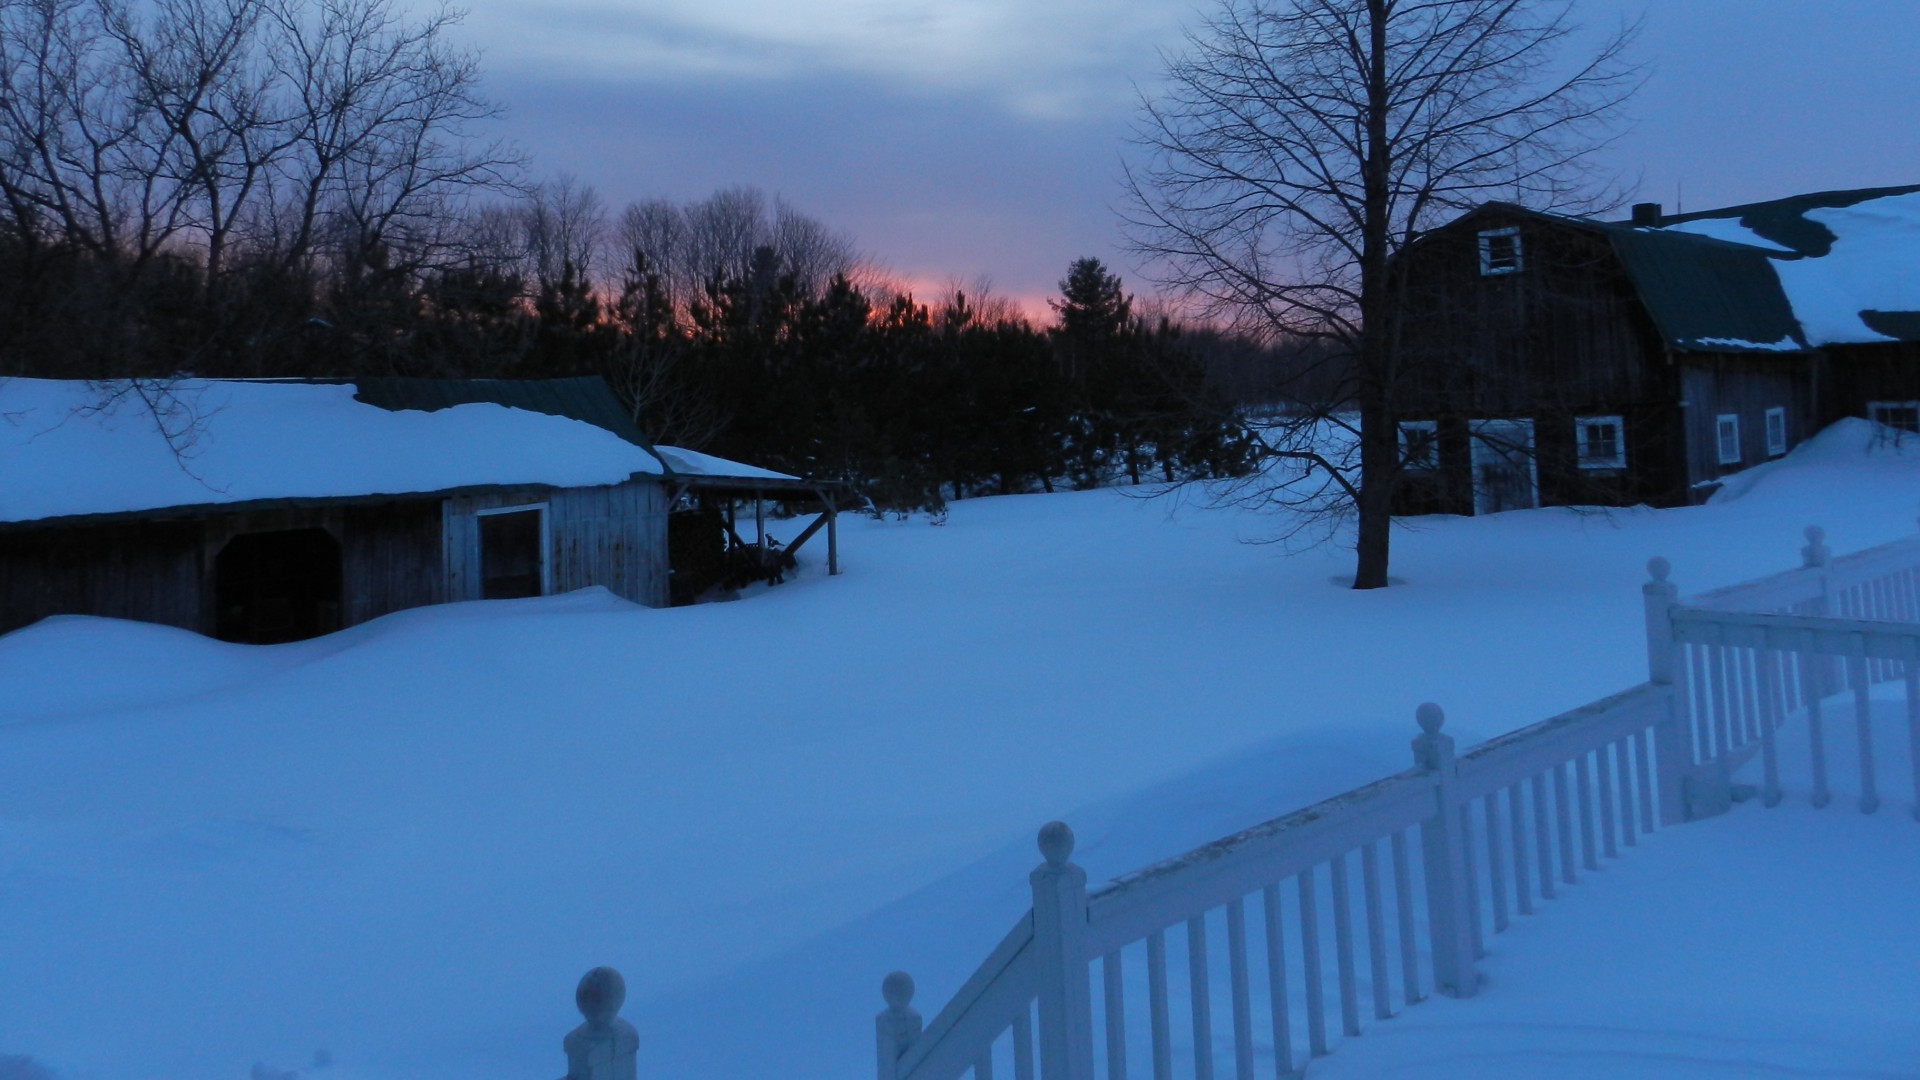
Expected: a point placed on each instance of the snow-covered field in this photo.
(391, 852)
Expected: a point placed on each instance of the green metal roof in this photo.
(1707, 294)
(587, 399)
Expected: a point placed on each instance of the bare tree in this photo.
(687, 245)
(564, 227)
(1299, 145)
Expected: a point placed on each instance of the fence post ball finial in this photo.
(1430, 718)
(1659, 568)
(1056, 843)
(1816, 534)
(601, 993)
(897, 989)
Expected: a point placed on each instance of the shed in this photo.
(275, 510)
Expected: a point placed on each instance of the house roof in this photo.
(1788, 275)
(81, 449)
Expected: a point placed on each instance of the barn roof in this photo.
(73, 448)
(1788, 275)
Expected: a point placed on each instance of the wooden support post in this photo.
(898, 1026)
(833, 537)
(604, 1047)
(1672, 760)
(760, 524)
(1060, 944)
(1443, 843)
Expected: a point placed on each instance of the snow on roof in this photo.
(1873, 266)
(1726, 229)
(1848, 261)
(71, 448)
(695, 463)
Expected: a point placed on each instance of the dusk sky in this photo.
(975, 138)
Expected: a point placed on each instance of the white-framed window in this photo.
(1500, 251)
(1420, 444)
(1601, 442)
(1726, 429)
(1776, 431)
(513, 551)
(1901, 415)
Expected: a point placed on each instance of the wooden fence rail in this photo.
(1448, 853)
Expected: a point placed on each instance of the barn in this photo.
(1555, 360)
(274, 510)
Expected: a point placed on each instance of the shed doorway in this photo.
(513, 552)
(1505, 476)
(274, 587)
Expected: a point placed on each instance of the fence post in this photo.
(898, 1025)
(1060, 943)
(1443, 845)
(603, 1048)
(1673, 757)
(1816, 557)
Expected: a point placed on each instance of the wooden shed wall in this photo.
(614, 536)
(391, 558)
(149, 571)
(1746, 385)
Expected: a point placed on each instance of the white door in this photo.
(1504, 473)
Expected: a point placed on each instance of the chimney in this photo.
(1647, 214)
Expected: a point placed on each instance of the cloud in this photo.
(1058, 59)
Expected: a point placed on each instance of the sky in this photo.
(984, 139)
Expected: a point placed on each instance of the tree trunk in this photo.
(1378, 448)
(1379, 441)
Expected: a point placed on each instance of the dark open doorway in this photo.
(271, 587)
(513, 553)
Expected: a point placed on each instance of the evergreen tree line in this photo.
(247, 188)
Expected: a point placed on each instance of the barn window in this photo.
(1903, 415)
(513, 552)
(1500, 251)
(1726, 428)
(1420, 444)
(1776, 431)
(1601, 441)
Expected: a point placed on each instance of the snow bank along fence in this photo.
(1448, 852)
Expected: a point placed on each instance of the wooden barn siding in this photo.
(614, 536)
(1654, 454)
(148, 571)
(1856, 374)
(390, 558)
(1565, 334)
(1746, 385)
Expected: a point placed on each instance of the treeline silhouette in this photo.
(264, 188)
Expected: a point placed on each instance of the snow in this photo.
(1785, 344)
(695, 463)
(1872, 267)
(69, 447)
(1796, 923)
(402, 844)
(1727, 229)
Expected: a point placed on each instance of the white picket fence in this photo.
(1447, 852)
